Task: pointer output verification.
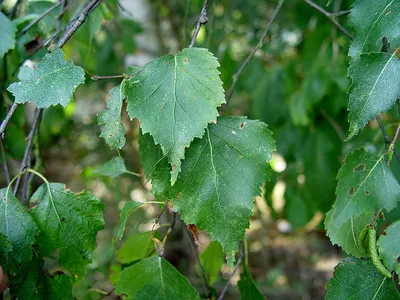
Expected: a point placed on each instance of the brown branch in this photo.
(201, 21)
(196, 255)
(393, 144)
(330, 16)
(7, 119)
(252, 53)
(5, 166)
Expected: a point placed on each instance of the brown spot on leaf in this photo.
(359, 168)
(351, 191)
(367, 193)
(178, 196)
(185, 60)
(242, 125)
(195, 232)
(111, 135)
(62, 219)
(389, 12)
(186, 92)
(241, 156)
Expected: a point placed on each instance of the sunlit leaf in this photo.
(128, 208)
(113, 168)
(175, 97)
(137, 247)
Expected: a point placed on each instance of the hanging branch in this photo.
(5, 166)
(233, 274)
(331, 17)
(252, 53)
(7, 119)
(201, 21)
(40, 17)
(196, 255)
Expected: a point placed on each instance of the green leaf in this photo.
(373, 20)
(113, 131)
(374, 89)
(298, 110)
(363, 189)
(7, 35)
(128, 208)
(18, 226)
(137, 247)
(35, 284)
(359, 279)
(389, 250)
(247, 287)
(113, 168)
(51, 82)
(175, 97)
(158, 280)
(49, 22)
(69, 224)
(5, 250)
(212, 260)
(221, 174)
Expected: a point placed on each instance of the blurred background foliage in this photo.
(296, 83)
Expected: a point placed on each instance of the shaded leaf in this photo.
(175, 97)
(389, 250)
(375, 87)
(365, 185)
(51, 82)
(373, 20)
(113, 168)
(49, 22)
(35, 284)
(137, 247)
(69, 224)
(247, 287)
(359, 279)
(113, 131)
(158, 280)
(5, 251)
(212, 259)
(221, 174)
(18, 226)
(128, 208)
(7, 35)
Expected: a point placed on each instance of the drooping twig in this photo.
(341, 13)
(124, 9)
(393, 144)
(233, 274)
(5, 166)
(196, 255)
(87, 8)
(27, 154)
(201, 21)
(252, 53)
(40, 17)
(7, 119)
(14, 9)
(386, 137)
(63, 8)
(330, 16)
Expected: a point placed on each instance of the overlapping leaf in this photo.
(137, 247)
(158, 280)
(18, 226)
(375, 87)
(69, 224)
(373, 20)
(221, 174)
(113, 131)
(50, 82)
(365, 185)
(389, 247)
(247, 287)
(359, 279)
(128, 208)
(7, 35)
(5, 250)
(175, 97)
(212, 260)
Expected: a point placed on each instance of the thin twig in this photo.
(87, 8)
(393, 144)
(196, 255)
(5, 166)
(233, 274)
(341, 13)
(40, 17)
(386, 137)
(201, 21)
(63, 8)
(330, 16)
(14, 9)
(7, 119)
(252, 53)
(98, 77)
(334, 124)
(27, 155)
(124, 9)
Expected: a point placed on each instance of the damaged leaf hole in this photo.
(351, 191)
(359, 168)
(367, 193)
